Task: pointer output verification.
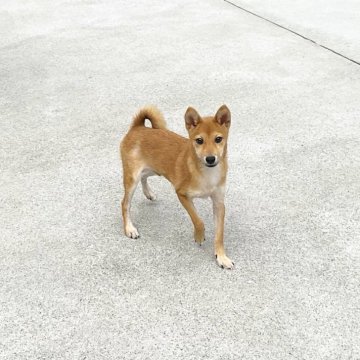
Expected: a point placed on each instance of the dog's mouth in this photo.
(210, 165)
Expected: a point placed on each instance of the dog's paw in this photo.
(131, 232)
(151, 196)
(224, 262)
(199, 241)
(199, 236)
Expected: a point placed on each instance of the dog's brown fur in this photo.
(187, 163)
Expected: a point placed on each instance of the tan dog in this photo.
(196, 166)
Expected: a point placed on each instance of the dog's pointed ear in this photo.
(192, 118)
(223, 116)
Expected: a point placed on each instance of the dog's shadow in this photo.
(166, 220)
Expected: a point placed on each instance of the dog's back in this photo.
(156, 148)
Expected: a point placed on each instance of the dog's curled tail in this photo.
(151, 113)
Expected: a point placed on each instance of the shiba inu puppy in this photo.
(196, 166)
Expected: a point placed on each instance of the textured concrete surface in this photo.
(72, 286)
(332, 23)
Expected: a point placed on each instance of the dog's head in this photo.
(208, 135)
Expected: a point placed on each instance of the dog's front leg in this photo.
(219, 215)
(199, 229)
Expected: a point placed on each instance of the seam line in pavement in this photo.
(294, 32)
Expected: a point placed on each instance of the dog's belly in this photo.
(149, 172)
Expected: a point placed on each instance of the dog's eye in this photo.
(218, 139)
(199, 141)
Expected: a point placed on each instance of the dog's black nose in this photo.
(210, 159)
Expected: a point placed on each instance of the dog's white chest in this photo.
(208, 183)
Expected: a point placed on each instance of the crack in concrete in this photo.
(294, 32)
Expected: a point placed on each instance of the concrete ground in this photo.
(332, 23)
(72, 286)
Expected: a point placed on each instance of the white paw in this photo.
(131, 232)
(151, 196)
(224, 262)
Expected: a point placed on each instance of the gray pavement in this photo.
(332, 23)
(72, 286)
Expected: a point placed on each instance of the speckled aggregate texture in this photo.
(72, 286)
(332, 23)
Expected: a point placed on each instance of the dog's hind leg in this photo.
(131, 179)
(145, 186)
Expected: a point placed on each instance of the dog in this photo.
(196, 166)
